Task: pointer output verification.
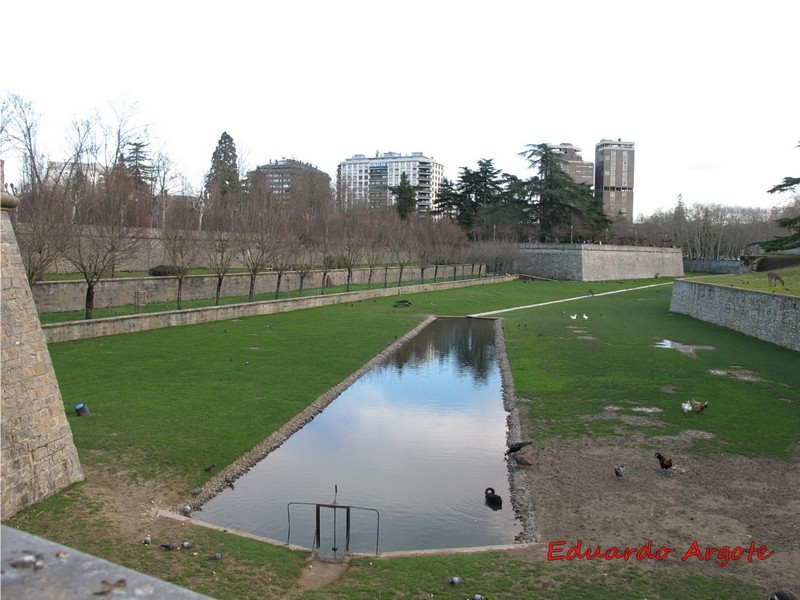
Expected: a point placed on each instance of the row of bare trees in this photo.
(708, 231)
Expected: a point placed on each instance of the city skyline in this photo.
(703, 98)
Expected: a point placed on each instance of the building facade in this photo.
(363, 181)
(572, 162)
(613, 177)
(291, 181)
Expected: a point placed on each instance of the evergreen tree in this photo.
(222, 180)
(559, 201)
(792, 240)
(405, 196)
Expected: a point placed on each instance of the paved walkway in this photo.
(505, 310)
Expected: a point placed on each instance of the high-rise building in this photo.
(613, 177)
(572, 162)
(291, 180)
(363, 181)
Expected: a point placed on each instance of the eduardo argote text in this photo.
(719, 555)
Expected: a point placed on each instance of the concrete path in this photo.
(505, 310)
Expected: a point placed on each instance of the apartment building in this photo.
(613, 177)
(572, 162)
(291, 180)
(363, 181)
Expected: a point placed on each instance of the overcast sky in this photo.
(706, 90)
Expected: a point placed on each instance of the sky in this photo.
(706, 90)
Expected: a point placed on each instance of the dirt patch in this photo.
(742, 374)
(686, 349)
(715, 500)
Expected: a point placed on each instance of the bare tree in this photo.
(43, 215)
(402, 245)
(354, 241)
(283, 249)
(220, 244)
(256, 238)
(181, 244)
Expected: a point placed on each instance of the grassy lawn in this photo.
(167, 403)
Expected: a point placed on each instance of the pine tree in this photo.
(405, 196)
(222, 180)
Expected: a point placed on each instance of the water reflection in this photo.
(419, 438)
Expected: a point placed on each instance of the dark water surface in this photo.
(418, 438)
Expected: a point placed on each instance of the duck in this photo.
(492, 499)
(516, 447)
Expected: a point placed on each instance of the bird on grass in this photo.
(456, 580)
(573, 317)
(229, 482)
(216, 556)
(210, 468)
(168, 546)
(585, 316)
(698, 406)
(517, 446)
(186, 545)
(478, 597)
(147, 540)
(492, 499)
(664, 461)
(402, 303)
(619, 470)
(522, 460)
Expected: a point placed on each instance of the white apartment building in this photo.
(363, 181)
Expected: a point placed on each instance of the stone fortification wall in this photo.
(58, 296)
(38, 454)
(598, 262)
(76, 330)
(770, 317)
(719, 267)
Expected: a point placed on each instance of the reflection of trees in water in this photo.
(469, 341)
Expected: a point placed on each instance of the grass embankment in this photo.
(167, 403)
(759, 281)
(154, 307)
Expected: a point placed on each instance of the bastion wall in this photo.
(38, 456)
(598, 262)
(770, 317)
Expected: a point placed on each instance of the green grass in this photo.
(153, 307)
(758, 281)
(166, 403)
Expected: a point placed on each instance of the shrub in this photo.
(164, 271)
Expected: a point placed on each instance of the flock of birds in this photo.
(184, 545)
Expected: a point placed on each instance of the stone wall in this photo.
(770, 317)
(77, 330)
(719, 267)
(58, 296)
(597, 262)
(38, 455)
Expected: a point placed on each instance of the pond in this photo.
(416, 439)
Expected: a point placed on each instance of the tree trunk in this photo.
(302, 280)
(218, 291)
(386, 276)
(369, 277)
(180, 293)
(349, 278)
(251, 294)
(435, 272)
(278, 285)
(89, 304)
(400, 277)
(324, 281)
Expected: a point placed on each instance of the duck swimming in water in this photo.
(492, 499)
